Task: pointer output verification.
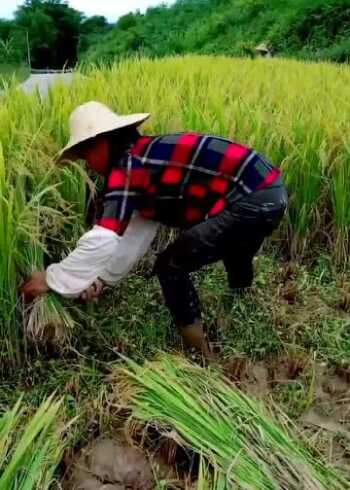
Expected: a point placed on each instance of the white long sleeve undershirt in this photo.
(101, 253)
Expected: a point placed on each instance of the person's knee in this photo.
(164, 265)
(175, 258)
(240, 276)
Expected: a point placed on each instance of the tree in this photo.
(90, 29)
(12, 43)
(53, 30)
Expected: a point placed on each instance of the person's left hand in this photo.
(36, 286)
(93, 292)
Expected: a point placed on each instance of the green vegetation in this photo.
(58, 35)
(317, 29)
(31, 452)
(51, 31)
(42, 213)
(29, 205)
(263, 325)
(8, 71)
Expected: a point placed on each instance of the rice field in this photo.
(298, 115)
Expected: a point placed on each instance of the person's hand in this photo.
(36, 286)
(94, 291)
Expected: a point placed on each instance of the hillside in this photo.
(316, 29)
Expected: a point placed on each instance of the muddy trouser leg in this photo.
(239, 261)
(260, 213)
(222, 237)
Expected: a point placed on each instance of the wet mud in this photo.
(109, 464)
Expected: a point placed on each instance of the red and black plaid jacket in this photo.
(181, 179)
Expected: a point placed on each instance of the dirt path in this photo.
(44, 81)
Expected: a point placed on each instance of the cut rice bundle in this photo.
(237, 436)
(47, 320)
(30, 452)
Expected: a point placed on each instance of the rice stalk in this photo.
(341, 210)
(33, 208)
(30, 452)
(47, 320)
(208, 480)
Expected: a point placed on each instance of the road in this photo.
(43, 81)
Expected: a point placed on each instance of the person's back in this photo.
(181, 179)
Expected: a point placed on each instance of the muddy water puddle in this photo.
(110, 464)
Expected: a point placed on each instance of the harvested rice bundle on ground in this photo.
(238, 437)
(30, 453)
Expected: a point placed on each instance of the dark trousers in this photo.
(234, 236)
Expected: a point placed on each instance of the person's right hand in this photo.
(36, 286)
(94, 291)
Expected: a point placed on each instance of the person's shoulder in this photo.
(225, 141)
(180, 137)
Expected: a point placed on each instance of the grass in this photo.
(9, 71)
(260, 325)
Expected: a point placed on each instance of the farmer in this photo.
(223, 196)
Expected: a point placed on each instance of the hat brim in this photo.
(70, 153)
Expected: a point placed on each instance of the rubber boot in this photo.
(193, 337)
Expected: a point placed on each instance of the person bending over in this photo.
(224, 197)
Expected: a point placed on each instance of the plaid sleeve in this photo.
(119, 200)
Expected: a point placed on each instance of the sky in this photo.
(112, 9)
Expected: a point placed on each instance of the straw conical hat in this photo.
(262, 47)
(93, 118)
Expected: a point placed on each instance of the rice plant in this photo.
(30, 452)
(276, 106)
(240, 439)
(45, 319)
(25, 214)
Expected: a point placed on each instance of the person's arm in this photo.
(109, 250)
(103, 254)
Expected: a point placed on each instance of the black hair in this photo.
(121, 140)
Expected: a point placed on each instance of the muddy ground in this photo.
(324, 412)
(110, 464)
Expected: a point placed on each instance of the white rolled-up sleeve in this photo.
(101, 253)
